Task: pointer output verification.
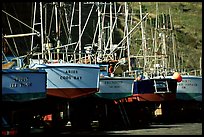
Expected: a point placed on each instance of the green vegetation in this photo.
(187, 23)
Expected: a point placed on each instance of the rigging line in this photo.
(112, 30)
(20, 26)
(45, 17)
(63, 24)
(11, 33)
(70, 29)
(129, 33)
(21, 22)
(14, 54)
(84, 27)
(72, 19)
(103, 20)
(51, 21)
(68, 25)
(95, 34)
(33, 14)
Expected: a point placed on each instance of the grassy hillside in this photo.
(187, 23)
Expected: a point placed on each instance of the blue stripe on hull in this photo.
(23, 97)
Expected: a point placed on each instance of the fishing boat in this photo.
(190, 88)
(155, 90)
(23, 91)
(188, 103)
(149, 93)
(65, 79)
(114, 87)
(23, 85)
(70, 80)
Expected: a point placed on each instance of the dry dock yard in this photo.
(154, 129)
(185, 127)
(101, 68)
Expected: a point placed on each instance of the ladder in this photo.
(124, 114)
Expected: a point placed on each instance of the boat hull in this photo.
(190, 88)
(71, 93)
(144, 90)
(115, 87)
(70, 80)
(23, 85)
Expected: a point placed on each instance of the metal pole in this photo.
(143, 38)
(41, 23)
(79, 31)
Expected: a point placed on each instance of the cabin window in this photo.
(161, 86)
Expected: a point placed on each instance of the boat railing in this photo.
(133, 73)
(61, 57)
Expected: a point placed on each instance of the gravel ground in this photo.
(172, 129)
(154, 129)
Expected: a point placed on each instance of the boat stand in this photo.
(123, 114)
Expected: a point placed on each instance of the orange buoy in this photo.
(177, 76)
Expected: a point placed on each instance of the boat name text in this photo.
(20, 82)
(69, 77)
(187, 83)
(71, 71)
(113, 84)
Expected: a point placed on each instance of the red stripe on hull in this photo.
(151, 97)
(71, 93)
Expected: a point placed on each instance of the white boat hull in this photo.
(71, 80)
(190, 88)
(115, 87)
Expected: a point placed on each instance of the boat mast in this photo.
(99, 31)
(111, 33)
(143, 39)
(79, 31)
(41, 24)
(70, 29)
(33, 26)
(111, 26)
(164, 60)
(57, 29)
(19, 35)
(155, 40)
(126, 26)
(173, 42)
